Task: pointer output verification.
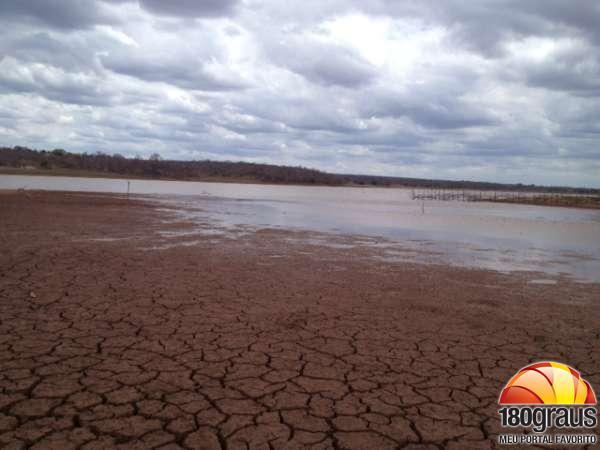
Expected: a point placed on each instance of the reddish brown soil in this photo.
(258, 342)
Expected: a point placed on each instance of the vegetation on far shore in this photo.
(60, 162)
(563, 200)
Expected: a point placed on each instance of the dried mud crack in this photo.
(114, 336)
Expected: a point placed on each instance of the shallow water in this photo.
(504, 237)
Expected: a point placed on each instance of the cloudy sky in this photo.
(499, 90)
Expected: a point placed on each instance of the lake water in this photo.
(504, 237)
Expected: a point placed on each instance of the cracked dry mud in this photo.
(112, 337)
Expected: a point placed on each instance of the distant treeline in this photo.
(156, 167)
(23, 159)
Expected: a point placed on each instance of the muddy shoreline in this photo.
(589, 202)
(122, 326)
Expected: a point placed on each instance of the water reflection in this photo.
(503, 237)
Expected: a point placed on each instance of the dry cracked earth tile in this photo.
(218, 346)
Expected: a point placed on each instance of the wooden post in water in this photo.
(128, 188)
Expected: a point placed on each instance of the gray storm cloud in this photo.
(187, 8)
(501, 91)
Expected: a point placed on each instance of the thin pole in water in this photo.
(128, 186)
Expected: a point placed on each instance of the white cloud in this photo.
(430, 89)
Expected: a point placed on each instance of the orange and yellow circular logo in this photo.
(548, 383)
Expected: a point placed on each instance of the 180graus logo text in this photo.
(548, 396)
